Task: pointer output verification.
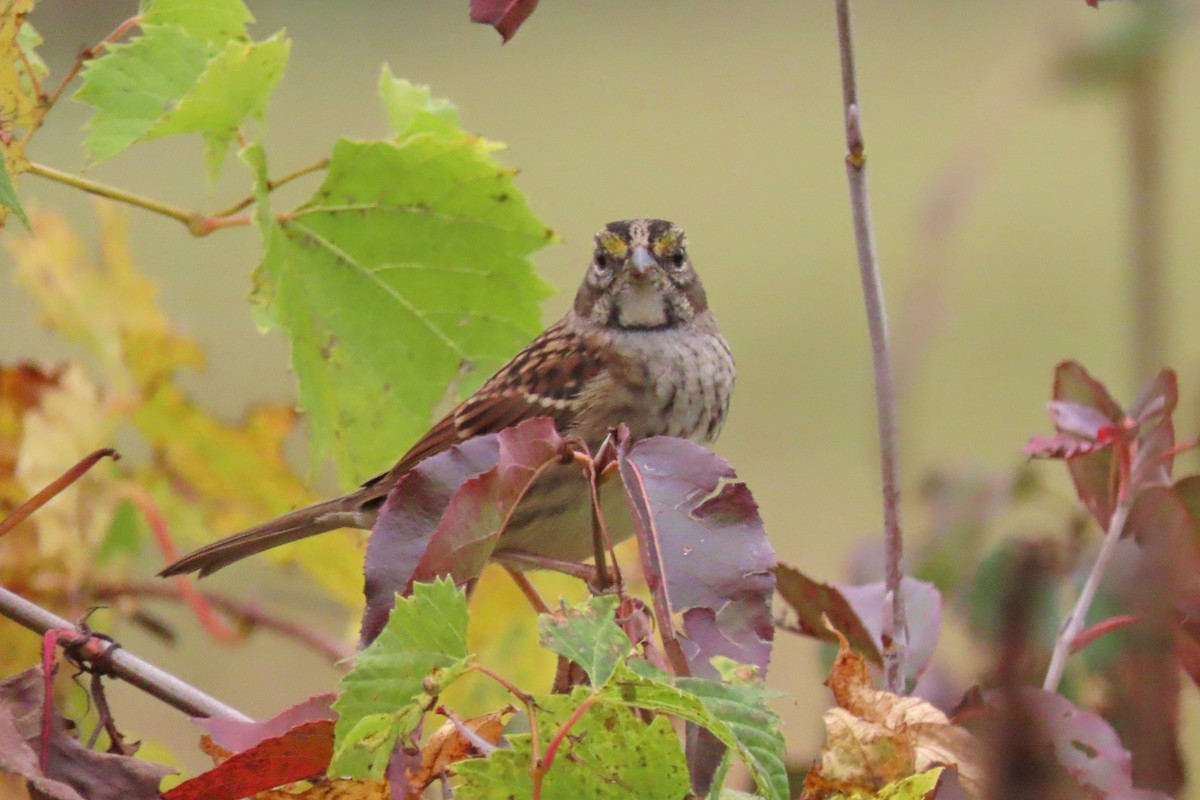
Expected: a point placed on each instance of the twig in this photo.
(530, 710)
(119, 662)
(1073, 624)
(245, 613)
(197, 223)
(84, 55)
(47, 494)
(246, 202)
(1147, 281)
(188, 218)
(885, 389)
(529, 590)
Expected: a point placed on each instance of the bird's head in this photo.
(641, 277)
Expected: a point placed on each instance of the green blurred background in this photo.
(1000, 200)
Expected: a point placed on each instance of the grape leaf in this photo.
(422, 649)
(736, 714)
(214, 21)
(608, 753)
(190, 70)
(234, 86)
(408, 268)
(588, 635)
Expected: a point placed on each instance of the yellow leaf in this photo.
(17, 101)
(334, 789)
(70, 422)
(875, 738)
(110, 308)
(448, 746)
(213, 477)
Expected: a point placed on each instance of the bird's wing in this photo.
(545, 379)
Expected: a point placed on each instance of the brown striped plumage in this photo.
(639, 347)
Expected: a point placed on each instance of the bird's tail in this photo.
(340, 512)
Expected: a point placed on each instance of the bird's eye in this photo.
(603, 262)
(678, 258)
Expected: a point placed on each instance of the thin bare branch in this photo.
(1073, 624)
(885, 388)
(118, 662)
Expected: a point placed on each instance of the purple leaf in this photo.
(1081, 742)
(812, 600)
(73, 772)
(1160, 396)
(236, 735)
(923, 604)
(1062, 446)
(704, 546)
(506, 16)
(1093, 474)
(1077, 419)
(446, 515)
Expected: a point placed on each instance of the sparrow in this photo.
(640, 346)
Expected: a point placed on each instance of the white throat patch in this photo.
(641, 307)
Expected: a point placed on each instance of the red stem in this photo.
(55, 488)
(552, 748)
(527, 701)
(187, 590)
(1089, 635)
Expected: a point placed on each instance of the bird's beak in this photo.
(642, 262)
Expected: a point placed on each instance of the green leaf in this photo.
(608, 753)
(134, 85)
(587, 635)
(422, 649)
(737, 715)
(213, 21)
(8, 196)
(234, 86)
(407, 268)
(914, 787)
(29, 40)
(191, 71)
(413, 109)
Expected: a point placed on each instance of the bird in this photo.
(639, 346)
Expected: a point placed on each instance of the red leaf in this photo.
(73, 772)
(1060, 445)
(302, 752)
(709, 542)
(506, 16)
(923, 603)
(1081, 743)
(447, 515)
(236, 735)
(813, 600)
(1078, 419)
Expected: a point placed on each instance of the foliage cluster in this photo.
(400, 283)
